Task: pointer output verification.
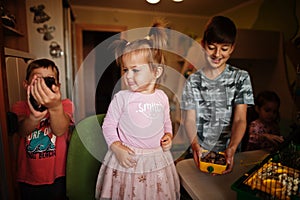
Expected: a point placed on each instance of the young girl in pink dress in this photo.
(137, 127)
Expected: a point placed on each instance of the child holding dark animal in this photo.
(43, 125)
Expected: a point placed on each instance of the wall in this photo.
(272, 15)
(103, 16)
(282, 16)
(187, 24)
(40, 47)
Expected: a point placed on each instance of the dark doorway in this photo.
(110, 77)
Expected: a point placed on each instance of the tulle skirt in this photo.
(153, 177)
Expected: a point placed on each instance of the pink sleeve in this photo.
(111, 120)
(168, 123)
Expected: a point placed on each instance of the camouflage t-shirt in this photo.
(214, 101)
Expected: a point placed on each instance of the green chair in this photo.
(86, 149)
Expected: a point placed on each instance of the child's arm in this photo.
(123, 154)
(274, 139)
(237, 133)
(189, 117)
(166, 142)
(257, 137)
(27, 123)
(59, 120)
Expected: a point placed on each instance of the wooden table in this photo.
(204, 186)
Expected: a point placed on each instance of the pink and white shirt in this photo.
(137, 119)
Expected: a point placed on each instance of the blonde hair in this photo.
(150, 47)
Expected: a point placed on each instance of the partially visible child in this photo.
(137, 127)
(43, 127)
(264, 132)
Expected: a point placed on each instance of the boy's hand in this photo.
(229, 154)
(123, 154)
(34, 115)
(197, 153)
(166, 142)
(44, 95)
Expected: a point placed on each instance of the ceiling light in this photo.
(177, 0)
(153, 1)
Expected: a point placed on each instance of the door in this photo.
(88, 37)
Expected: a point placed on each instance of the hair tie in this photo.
(147, 37)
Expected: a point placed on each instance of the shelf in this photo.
(16, 53)
(11, 31)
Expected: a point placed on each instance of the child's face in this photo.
(268, 112)
(218, 54)
(137, 74)
(42, 72)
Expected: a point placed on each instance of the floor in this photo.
(184, 195)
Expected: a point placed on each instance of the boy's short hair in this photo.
(41, 63)
(220, 29)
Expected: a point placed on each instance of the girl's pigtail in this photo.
(118, 47)
(158, 34)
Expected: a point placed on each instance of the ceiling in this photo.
(205, 8)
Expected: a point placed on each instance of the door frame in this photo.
(82, 110)
(79, 28)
